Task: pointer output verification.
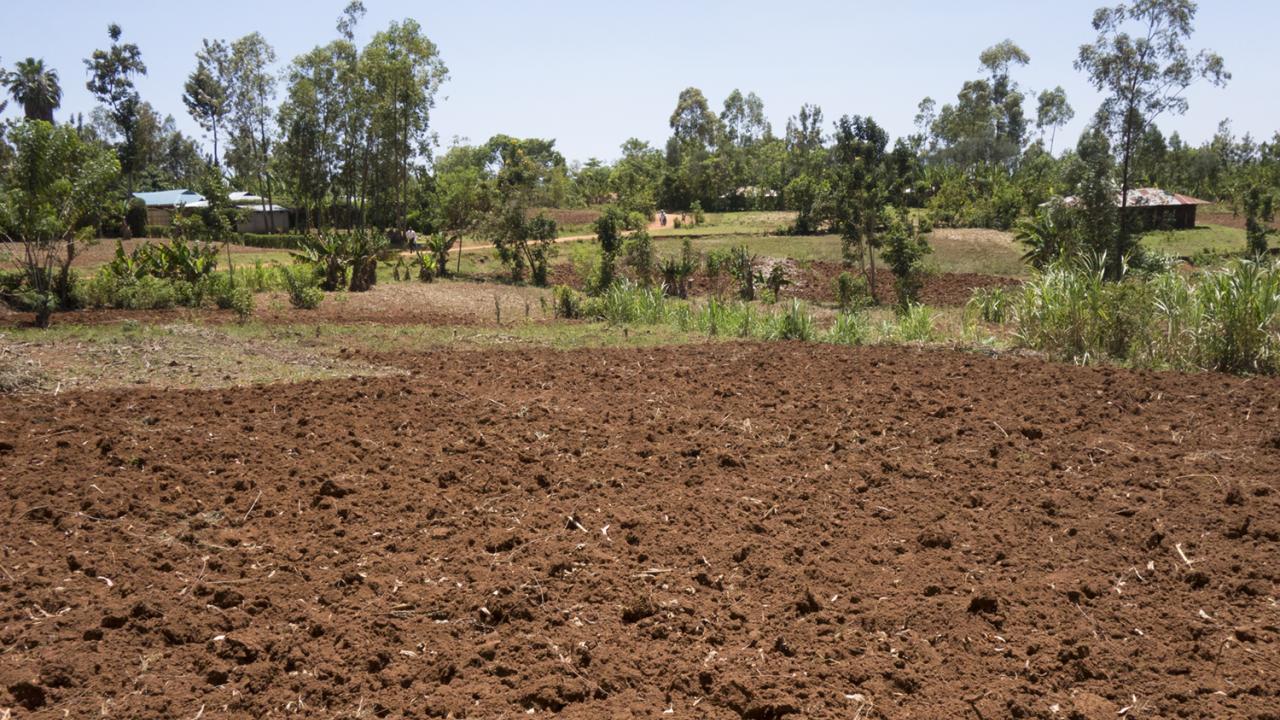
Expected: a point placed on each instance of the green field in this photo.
(1204, 238)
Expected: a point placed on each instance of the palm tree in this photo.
(36, 88)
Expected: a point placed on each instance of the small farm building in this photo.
(1154, 208)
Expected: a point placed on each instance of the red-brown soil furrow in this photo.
(722, 531)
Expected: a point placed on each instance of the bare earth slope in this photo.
(726, 531)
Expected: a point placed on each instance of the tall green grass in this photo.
(1226, 319)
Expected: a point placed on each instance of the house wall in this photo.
(1165, 217)
(260, 222)
(159, 216)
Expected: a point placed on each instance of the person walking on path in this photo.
(412, 237)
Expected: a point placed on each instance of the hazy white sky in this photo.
(592, 74)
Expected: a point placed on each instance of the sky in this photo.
(592, 74)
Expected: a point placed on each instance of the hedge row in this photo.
(271, 242)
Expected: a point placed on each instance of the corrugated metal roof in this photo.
(169, 198)
(256, 207)
(1147, 197)
(1155, 197)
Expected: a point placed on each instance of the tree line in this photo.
(344, 137)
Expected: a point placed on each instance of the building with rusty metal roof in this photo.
(1157, 209)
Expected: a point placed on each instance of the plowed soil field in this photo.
(720, 531)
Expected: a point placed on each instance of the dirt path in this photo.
(724, 531)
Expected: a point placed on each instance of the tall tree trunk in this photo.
(871, 256)
(1115, 264)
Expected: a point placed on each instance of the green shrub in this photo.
(241, 301)
(303, 286)
(638, 255)
(905, 250)
(567, 302)
(158, 231)
(848, 329)
(851, 291)
(795, 323)
(915, 324)
(742, 266)
(135, 216)
(262, 277)
(716, 265)
(623, 303)
(108, 290)
(990, 304)
(13, 289)
(695, 209)
(272, 242)
(230, 295)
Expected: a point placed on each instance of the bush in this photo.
(851, 291)
(716, 265)
(135, 216)
(568, 304)
(638, 255)
(848, 329)
(230, 295)
(990, 304)
(272, 242)
(777, 280)
(261, 277)
(695, 209)
(158, 231)
(905, 251)
(796, 323)
(742, 265)
(240, 299)
(13, 288)
(624, 303)
(108, 290)
(915, 324)
(301, 283)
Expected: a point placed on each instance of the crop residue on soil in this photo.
(725, 531)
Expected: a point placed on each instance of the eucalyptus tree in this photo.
(986, 126)
(804, 177)
(312, 122)
(111, 74)
(252, 92)
(207, 90)
(745, 133)
(694, 132)
(404, 72)
(1141, 63)
(1052, 112)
